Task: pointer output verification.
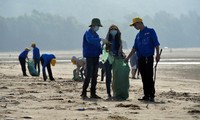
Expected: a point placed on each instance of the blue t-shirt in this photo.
(145, 42)
(36, 53)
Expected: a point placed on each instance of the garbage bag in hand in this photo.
(120, 84)
(32, 69)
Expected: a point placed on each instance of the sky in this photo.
(85, 10)
(119, 12)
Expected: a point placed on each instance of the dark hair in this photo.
(117, 38)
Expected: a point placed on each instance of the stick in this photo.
(156, 66)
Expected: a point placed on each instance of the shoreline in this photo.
(169, 56)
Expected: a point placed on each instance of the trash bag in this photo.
(76, 76)
(106, 56)
(32, 69)
(120, 84)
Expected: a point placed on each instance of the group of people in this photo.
(146, 42)
(46, 60)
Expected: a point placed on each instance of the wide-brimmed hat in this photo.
(136, 20)
(95, 22)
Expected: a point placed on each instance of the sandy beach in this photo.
(177, 93)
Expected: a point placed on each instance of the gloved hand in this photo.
(105, 41)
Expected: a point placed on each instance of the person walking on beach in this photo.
(91, 51)
(22, 59)
(46, 60)
(36, 57)
(146, 42)
(114, 49)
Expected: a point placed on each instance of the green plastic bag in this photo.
(76, 76)
(120, 84)
(32, 69)
(106, 56)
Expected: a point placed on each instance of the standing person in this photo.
(146, 42)
(134, 66)
(46, 60)
(36, 57)
(114, 49)
(115, 61)
(91, 51)
(22, 59)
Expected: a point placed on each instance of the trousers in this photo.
(108, 68)
(23, 65)
(48, 69)
(146, 70)
(92, 64)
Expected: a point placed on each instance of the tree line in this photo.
(54, 32)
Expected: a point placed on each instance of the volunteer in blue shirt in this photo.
(47, 60)
(91, 51)
(146, 42)
(36, 57)
(22, 59)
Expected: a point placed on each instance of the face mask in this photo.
(96, 28)
(113, 32)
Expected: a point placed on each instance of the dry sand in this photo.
(177, 96)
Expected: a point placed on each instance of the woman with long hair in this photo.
(113, 48)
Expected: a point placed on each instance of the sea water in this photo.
(169, 56)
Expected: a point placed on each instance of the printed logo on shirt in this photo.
(146, 33)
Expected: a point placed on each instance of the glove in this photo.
(105, 41)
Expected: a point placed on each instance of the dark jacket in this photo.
(24, 54)
(91, 44)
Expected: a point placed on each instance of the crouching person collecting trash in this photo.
(146, 42)
(46, 60)
(80, 71)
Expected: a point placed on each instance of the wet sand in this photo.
(177, 96)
